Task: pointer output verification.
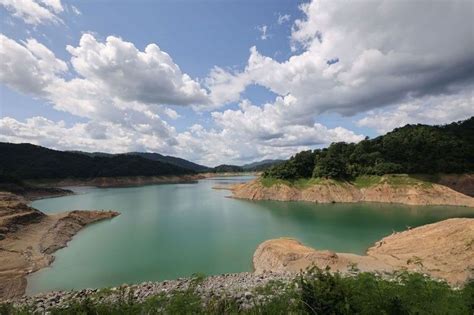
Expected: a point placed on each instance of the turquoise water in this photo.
(175, 230)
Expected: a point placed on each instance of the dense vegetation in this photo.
(315, 292)
(155, 157)
(27, 161)
(225, 168)
(412, 149)
(172, 160)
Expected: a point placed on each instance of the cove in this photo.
(175, 230)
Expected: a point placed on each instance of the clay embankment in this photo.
(443, 250)
(28, 237)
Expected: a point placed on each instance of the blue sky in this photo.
(216, 32)
(247, 80)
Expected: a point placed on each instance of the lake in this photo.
(174, 230)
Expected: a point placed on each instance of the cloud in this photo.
(431, 110)
(405, 50)
(410, 62)
(256, 132)
(75, 10)
(263, 32)
(282, 19)
(171, 113)
(148, 76)
(117, 85)
(55, 134)
(28, 67)
(34, 12)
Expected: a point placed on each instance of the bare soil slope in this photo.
(443, 250)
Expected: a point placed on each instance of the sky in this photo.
(229, 81)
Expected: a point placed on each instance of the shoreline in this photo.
(281, 260)
(29, 238)
(129, 181)
(419, 194)
(36, 238)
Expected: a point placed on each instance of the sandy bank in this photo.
(28, 237)
(418, 194)
(443, 250)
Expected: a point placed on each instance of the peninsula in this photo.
(28, 238)
(415, 165)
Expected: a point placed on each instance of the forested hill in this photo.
(226, 168)
(27, 161)
(410, 149)
(155, 157)
(172, 160)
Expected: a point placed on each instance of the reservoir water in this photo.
(174, 230)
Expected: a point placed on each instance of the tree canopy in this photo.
(410, 149)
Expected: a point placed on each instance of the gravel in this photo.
(239, 287)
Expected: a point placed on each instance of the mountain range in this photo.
(28, 161)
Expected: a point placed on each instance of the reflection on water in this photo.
(174, 230)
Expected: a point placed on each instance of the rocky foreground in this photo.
(330, 192)
(28, 238)
(239, 287)
(443, 250)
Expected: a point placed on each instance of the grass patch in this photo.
(301, 183)
(366, 181)
(405, 180)
(269, 181)
(396, 180)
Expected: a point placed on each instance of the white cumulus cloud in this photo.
(34, 12)
(148, 76)
(348, 65)
(28, 67)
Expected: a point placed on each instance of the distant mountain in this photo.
(27, 161)
(225, 168)
(155, 157)
(261, 165)
(172, 160)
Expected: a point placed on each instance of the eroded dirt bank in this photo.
(28, 238)
(443, 250)
(432, 194)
